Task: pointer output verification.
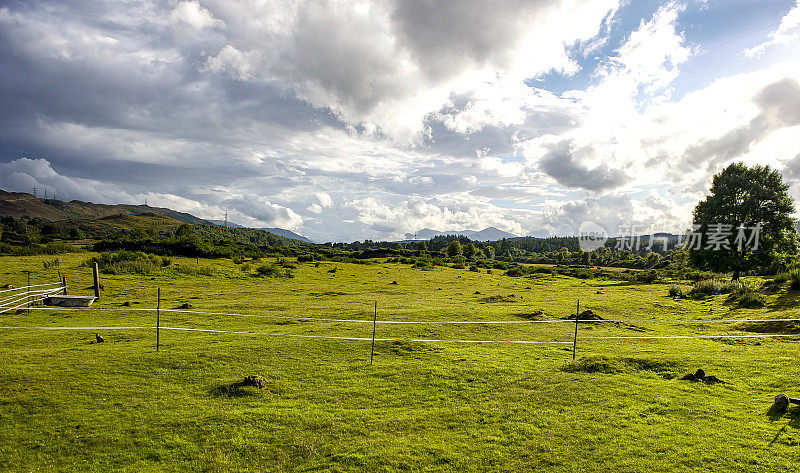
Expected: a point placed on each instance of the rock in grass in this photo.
(700, 375)
(781, 403)
(255, 381)
(696, 376)
(587, 314)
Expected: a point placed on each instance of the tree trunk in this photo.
(735, 274)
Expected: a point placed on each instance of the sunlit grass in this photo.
(69, 404)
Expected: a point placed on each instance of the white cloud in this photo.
(788, 31)
(191, 13)
(310, 114)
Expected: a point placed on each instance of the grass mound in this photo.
(535, 315)
(406, 348)
(769, 327)
(618, 364)
(746, 294)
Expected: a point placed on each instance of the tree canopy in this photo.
(745, 223)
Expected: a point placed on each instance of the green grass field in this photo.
(69, 404)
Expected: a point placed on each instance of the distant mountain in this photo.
(487, 234)
(17, 204)
(274, 230)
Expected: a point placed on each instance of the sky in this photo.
(347, 121)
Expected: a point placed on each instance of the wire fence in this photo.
(25, 296)
(417, 322)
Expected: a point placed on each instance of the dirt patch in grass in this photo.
(405, 348)
(620, 364)
(535, 315)
(491, 299)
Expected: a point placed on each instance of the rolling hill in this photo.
(17, 204)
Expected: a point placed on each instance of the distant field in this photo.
(69, 404)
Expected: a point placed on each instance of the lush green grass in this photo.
(69, 404)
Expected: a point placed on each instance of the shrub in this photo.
(271, 270)
(711, 287)
(677, 292)
(746, 294)
(516, 271)
(285, 264)
(51, 264)
(128, 262)
(474, 269)
(794, 278)
(647, 277)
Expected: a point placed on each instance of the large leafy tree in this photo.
(746, 222)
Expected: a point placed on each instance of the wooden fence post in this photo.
(575, 340)
(96, 274)
(64, 283)
(158, 319)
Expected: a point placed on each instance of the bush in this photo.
(746, 294)
(794, 278)
(128, 262)
(271, 270)
(474, 269)
(677, 292)
(647, 277)
(52, 264)
(711, 287)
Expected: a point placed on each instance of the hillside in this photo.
(17, 204)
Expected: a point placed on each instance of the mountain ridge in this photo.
(487, 234)
(17, 204)
(274, 230)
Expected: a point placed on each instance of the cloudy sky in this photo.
(345, 121)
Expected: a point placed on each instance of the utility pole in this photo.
(226, 217)
(34, 191)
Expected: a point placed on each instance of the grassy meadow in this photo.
(69, 404)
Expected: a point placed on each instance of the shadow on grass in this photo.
(787, 300)
(620, 364)
(775, 415)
